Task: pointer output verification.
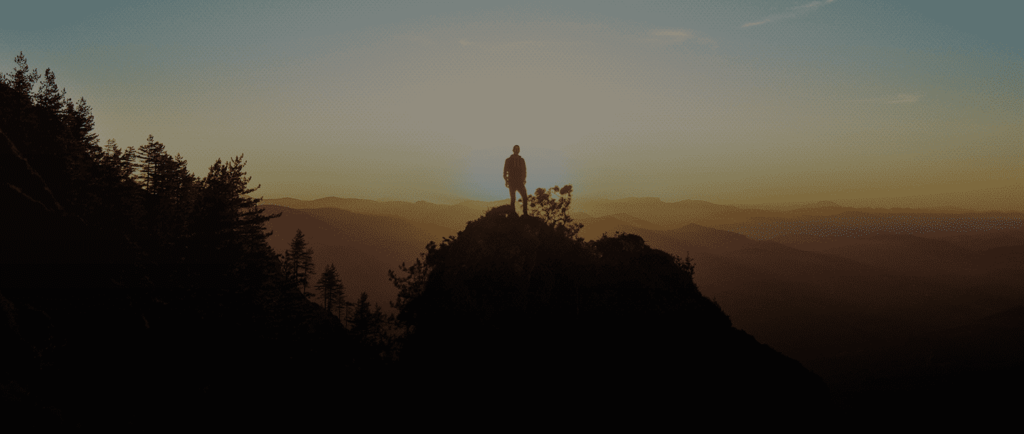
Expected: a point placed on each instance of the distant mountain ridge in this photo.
(823, 219)
(816, 282)
(453, 217)
(885, 242)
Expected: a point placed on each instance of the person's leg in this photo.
(512, 192)
(522, 192)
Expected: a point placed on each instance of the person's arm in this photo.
(504, 172)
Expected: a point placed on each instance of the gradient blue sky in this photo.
(732, 102)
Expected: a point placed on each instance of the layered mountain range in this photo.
(823, 284)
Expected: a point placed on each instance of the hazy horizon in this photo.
(1005, 199)
(749, 102)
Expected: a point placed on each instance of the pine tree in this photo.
(227, 225)
(170, 191)
(21, 80)
(154, 158)
(298, 261)
(332, 291)
(368, 325)
(119, 161)
(49, 96)
(81, 122)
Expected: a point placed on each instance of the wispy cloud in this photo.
(793, 12)
(903, 98)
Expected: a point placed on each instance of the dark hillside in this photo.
(134, 291)
(515, 302)
(831, 298)
(977, 364)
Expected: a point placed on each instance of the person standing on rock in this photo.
(515, 177)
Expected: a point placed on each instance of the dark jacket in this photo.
(515, 170)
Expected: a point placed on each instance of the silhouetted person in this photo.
(515, 177)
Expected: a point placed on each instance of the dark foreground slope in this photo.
(513, 304)
(140, 302)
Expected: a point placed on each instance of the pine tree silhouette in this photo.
(332, 292)
(298, 260)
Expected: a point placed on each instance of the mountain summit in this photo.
(514, 302)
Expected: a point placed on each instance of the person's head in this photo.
(515, 149)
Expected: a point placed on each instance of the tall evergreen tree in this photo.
(226, 231)
(368, 325)
(81, 124)
(154, 157)
(225, 206)
(332, 291)
(298, 262)
(49, 96)
(21, 79)
(170, 192)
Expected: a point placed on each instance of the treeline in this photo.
(123, 271)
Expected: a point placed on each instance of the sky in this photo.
(731, 102)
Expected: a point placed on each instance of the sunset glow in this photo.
(744, 102)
